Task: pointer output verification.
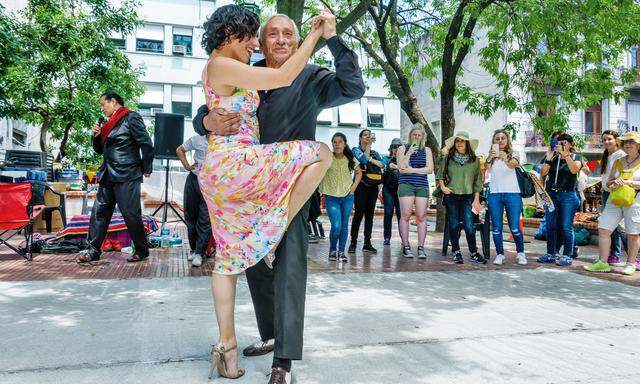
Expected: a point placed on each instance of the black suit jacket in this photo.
(128, 150)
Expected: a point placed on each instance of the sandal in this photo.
(218, 361)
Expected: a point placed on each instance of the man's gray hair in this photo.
(282, 15)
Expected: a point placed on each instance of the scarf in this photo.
(114, 119)
(460, 159)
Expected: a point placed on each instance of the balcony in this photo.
(592, 142)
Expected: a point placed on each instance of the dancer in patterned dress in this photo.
(251, 190)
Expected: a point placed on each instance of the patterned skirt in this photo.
(247, 189)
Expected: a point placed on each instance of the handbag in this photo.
(437, 193)
(527, 189)
(624, 195)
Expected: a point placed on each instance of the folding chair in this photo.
(18, 213)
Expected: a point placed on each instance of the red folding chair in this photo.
(17, 214)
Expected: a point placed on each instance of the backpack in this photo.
(624, 195)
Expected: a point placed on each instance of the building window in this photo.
(149, 109)
(635, 55)
(181, 100)
(150, 38)
(182, 41)
(144, 45)
(375, 113)
(593, 120)
(350, 114)
(152, 100)
(119, 43)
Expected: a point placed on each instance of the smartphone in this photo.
(554, 143)
(496, 148)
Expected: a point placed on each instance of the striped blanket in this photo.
(79, 225)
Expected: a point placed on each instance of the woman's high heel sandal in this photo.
(218, 361)
(269, 259)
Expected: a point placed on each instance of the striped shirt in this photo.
(417, 160)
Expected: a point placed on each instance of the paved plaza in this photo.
(378, 319)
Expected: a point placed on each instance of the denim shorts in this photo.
(408, 190)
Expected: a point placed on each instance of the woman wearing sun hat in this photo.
(460, 179)
(623, 204)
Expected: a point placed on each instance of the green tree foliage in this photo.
(65, 60)
(547, 58)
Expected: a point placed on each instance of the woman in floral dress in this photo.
(251, 190)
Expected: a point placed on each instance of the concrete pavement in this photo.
(507, 326)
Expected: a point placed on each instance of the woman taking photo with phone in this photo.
(504, 195)
(460, 179)
(415, 162)
(366, 195)
(561, 169)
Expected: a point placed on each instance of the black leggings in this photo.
(365, 204)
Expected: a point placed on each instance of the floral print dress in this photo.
(247, 185)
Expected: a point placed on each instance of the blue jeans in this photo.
(391, 202)
(339, 210)
(459, 210)
(561, 220)
(616, 238)
(512, 203)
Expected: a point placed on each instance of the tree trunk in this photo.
(447, 128)
(63, 143)
(292, 8)
(44, 128)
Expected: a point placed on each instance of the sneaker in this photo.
(197, 260)
(369, 248)
(421, 254)
(352, 248)
(547, 258)
(478, 258)
(564, 261)
(387, 242)
(499, 260)
(598, 266)
(342, 256)
(313, 239)
(613, 260)
(406, 251)
(629, 270)
(190, 255)
(457, 258)
(521, 259)
(333, 256)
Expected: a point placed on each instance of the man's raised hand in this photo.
(329, 25)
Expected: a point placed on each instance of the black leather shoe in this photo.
(280, 376)
(259, 348)
(352, 248)
(369, 248)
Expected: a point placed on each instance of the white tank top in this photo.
(503, 178)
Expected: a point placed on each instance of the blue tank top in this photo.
(417, 160)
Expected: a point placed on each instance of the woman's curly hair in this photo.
(227, 22)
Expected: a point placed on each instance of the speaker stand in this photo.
(166, 204)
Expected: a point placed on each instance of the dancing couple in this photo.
(261, 167)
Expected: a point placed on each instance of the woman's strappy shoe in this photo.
(218, 361)
(269, 259)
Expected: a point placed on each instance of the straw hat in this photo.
(448, 144)
(630, 136)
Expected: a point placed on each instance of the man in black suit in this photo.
(128, 155)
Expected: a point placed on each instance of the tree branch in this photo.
(348, 20)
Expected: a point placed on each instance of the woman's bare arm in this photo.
(225, 71)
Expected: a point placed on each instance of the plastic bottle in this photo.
(165, 238)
